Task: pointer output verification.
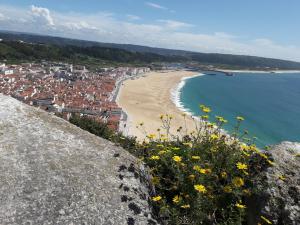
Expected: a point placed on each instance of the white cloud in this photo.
(42, 14)
(2, 17)
(173, 24)
(133, 17)
(79, 26)
(156, 6)
(104, 27)
(224, 35)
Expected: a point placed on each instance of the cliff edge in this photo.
(279, 185)
(55, 173)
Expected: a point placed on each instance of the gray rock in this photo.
(52, 172)
(279, 197)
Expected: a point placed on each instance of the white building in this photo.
(8, 72)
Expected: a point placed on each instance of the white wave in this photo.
(176, 93)
(175, 97)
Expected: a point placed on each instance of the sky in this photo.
(268, 28)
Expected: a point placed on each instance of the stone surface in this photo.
(279, 200)
(52, 172)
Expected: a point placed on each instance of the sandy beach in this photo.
(146, 98)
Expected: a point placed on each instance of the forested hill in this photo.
(18, 51)
(56, 48)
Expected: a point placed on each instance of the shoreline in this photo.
(176, 92)
(146, 98)
(125, 116)
(143, 100)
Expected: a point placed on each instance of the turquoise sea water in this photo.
(270, 103)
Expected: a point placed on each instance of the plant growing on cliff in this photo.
(201, 177)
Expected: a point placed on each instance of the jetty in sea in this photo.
(212, 72)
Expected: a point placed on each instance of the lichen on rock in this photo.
(55, 173)
(278, 199)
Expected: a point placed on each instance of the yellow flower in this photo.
(141, 124)
(224, 121)
(155, 157)
(201, 170)
(253, 148)
(238, 182)
(176, 199)
(197, 168)
(224, 175)
(185, 206)
(221, 119)
(206, 109)
(195, 157)
(245, 147)
(205, 117)
(227, 189)
(200, 188)
(151, 136)
(156, 198)
(161, 116)
(238, 205)
(214, 137)
(241, 166)
(266, 220)
(177, 158)
(239, 118)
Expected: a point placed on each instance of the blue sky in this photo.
(257, 27)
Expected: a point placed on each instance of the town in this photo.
(65, 89)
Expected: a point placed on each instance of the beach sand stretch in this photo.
(146, 98)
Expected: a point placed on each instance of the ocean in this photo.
(270, 103)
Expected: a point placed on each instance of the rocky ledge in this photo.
(55, 173)
(278, 199)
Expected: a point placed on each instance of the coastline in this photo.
(176, 92)
(146, 98)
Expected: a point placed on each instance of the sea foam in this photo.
(176, 92)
